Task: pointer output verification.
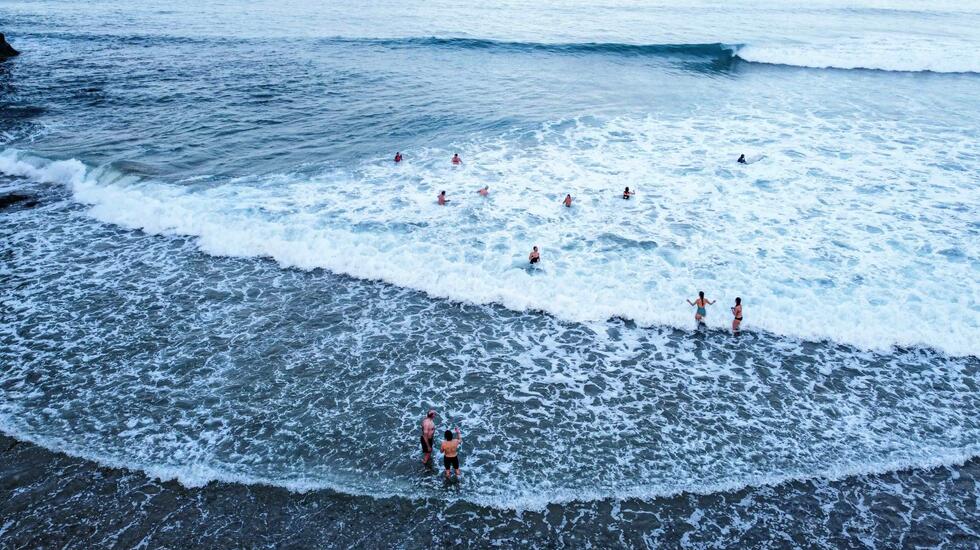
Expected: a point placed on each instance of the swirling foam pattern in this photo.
(138, 352)
(864, 245)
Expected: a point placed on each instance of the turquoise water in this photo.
(226, 282)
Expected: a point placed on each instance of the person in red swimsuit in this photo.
(398, 156)
(456, 159)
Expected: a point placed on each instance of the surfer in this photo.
(701, 302)
(450, 452)
(484, 191)
(428, 433)
(627, 193)
(442, 199)
(737, 313)
(568, 201)
(534, 257)
(741, 159)
(398, 157)
(456, 160)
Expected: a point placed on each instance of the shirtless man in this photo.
(568, 201)
(535, 256)
(627, 193)
(485, 191)
(450, 451)
(428, 432)
(441, 199)
(456, 160)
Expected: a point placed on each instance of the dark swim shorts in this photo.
(426, 444)
(450, 462)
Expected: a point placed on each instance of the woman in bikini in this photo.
(737, 312)
(701, 302)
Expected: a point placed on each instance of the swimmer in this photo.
(428, 433)
(456, 160)
(441, 199)
(737, 313)
(568, 201)
(741, 159)
(535, 256)
(701, 302)
(450, 451)
(398, 157)
(485, 191)
(627, 193)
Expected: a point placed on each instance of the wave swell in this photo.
(852, 54)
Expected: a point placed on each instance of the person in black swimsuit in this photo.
(741, 159)
(535, 256)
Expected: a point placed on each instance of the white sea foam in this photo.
(536, 498)
(868, 245)
(884, 53)
(242, 372)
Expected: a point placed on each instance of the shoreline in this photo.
(50, 499)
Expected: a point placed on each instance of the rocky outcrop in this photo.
(8, 200)
(6, 50)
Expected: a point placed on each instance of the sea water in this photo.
(228, 279)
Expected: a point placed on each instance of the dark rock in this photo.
(6, 50)
(10, 199)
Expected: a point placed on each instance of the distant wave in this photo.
(859, 55)
(531, 498)
(710, 50)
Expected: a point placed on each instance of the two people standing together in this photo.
(701, 303)
(449, 447)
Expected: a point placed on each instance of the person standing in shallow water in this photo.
(737, 313)
(450, 452)
(701, 303)
(535, 256)
(441, 199)
(398, 157)
(428, 434)
(627, 193)
(456, 160)
(568, 201)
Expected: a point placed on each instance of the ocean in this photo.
(226, 310)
